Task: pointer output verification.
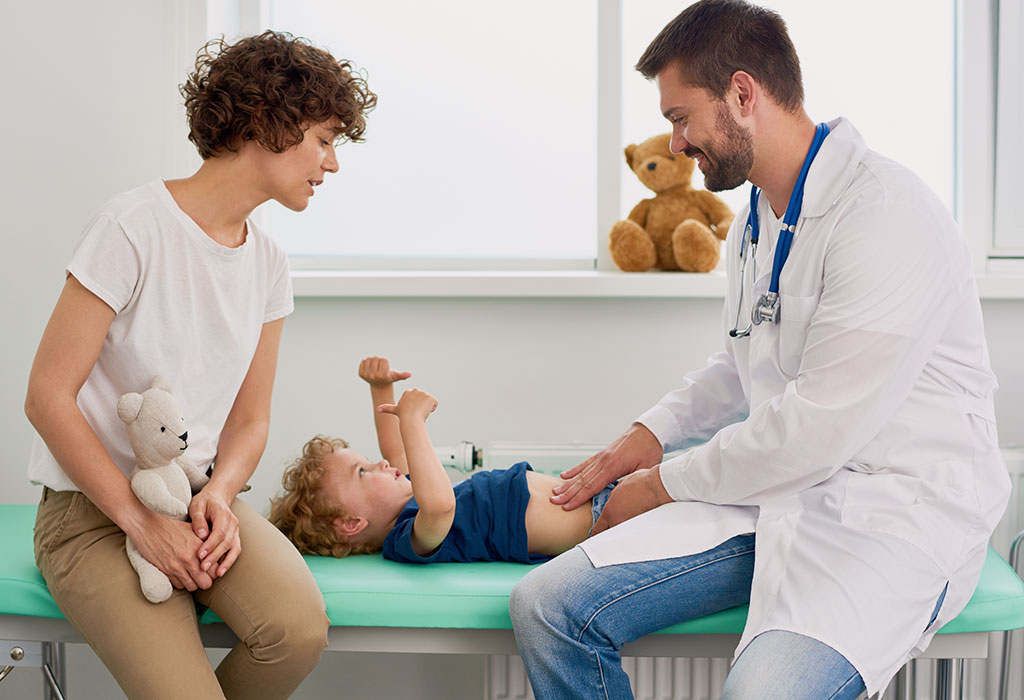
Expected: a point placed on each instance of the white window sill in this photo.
(539, 283)
(1001, 286)
(552, 284)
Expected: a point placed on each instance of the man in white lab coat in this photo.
(853, 440)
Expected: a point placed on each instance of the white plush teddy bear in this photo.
(164, 478)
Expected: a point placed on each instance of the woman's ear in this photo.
(349, 525)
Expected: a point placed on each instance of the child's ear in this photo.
(349, 525)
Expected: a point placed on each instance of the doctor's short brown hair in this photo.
(712, 39)
(270, 88)
(303, 513)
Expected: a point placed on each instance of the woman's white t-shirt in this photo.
(186, 308)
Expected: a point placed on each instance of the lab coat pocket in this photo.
(794, 319)
(921, 510)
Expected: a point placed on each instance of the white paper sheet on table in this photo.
(671, 530)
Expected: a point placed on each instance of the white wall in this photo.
(89, 109)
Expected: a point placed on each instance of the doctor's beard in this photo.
(730, 156)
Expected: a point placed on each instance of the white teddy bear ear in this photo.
(128, 407)
(161, 383)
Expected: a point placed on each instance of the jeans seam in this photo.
(600, 673)
(845, 685)
(597, 612)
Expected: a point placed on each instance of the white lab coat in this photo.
(856, 438)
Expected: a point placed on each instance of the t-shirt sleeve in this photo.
(280, 299)
(398, 544)
(106, 263)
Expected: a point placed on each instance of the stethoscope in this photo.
(767, 306)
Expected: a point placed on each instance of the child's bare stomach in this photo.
(550, 529)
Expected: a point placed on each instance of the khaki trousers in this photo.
(268, 598)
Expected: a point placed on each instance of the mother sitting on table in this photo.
(173, 278)
(849, 421)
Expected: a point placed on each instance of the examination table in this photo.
(383, 606)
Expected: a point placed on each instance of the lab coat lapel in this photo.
(833, 168)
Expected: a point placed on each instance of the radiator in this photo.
(702, 679)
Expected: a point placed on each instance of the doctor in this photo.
(848, 430)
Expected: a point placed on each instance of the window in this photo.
(482, 146)
(498, 138)
(1009, 205)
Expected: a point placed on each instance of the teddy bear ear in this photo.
(630, 150)
(128, 407)
(160, 382)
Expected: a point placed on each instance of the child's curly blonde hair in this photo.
(303, 513)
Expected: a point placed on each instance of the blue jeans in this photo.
(780, 665)
(599, 501)
(571, 619)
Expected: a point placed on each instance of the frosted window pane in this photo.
(1009, 213)
(483, 141)
(858, 61)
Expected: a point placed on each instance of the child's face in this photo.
(375, 491)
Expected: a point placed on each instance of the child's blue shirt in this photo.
(489, 525)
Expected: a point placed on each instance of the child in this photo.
(337, 502)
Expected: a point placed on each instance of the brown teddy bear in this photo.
(680, 228)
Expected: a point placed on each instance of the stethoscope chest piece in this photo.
(766, 309)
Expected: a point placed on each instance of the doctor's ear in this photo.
(743, 89)
(349, 525)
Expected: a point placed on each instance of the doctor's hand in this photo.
(637, 448)
(637, 493)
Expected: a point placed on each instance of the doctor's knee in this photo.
(546, 596)
(783, 665)
(529, 599)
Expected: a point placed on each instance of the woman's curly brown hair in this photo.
(270, 88)
(302, 512)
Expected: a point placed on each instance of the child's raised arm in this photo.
(430, 484)
(377, 372)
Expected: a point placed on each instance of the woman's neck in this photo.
(219, 197)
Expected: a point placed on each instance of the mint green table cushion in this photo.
(997, 603)
(22, 589)
(368, 591)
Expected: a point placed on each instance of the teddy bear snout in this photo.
(652, 166)
(184, 438)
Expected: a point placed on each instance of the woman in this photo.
(172, 278)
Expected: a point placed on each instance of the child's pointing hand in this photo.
(413, 404)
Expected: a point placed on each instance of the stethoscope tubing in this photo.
(751, 231)
(767, 306)
(796, 203)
